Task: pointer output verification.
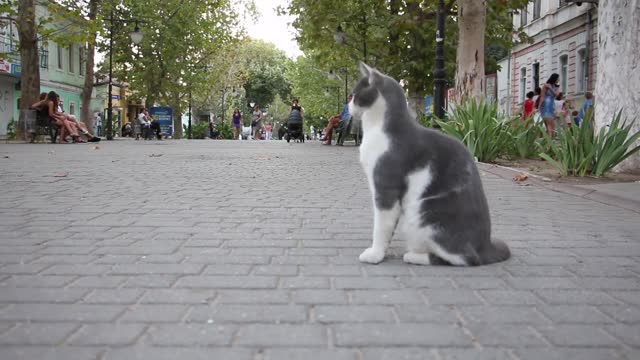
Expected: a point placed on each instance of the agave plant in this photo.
(579, 151)
(612, 145)
(478, 125)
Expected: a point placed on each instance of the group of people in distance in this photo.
(551, 106)
(51, 109)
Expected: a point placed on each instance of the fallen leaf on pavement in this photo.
(263, 158)
(95, 147)
(61, 174)
(155, 155)
(520, 177)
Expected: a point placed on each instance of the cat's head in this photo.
(375, 92)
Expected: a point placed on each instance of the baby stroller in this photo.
(294, 126)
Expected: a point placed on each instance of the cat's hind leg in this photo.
(384, 223)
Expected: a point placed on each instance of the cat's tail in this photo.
(496, 251)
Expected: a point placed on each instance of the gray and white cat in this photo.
(425, 184)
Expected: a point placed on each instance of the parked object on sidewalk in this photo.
(419, 177)
(294, 126)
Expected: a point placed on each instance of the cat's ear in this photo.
(365, 69)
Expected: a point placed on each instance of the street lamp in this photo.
(252, 104)
(136, 37)
(439, 72)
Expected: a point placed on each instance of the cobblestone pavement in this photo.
(248, 250)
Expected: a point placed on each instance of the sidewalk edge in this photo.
(507, 173)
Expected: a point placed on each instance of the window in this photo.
(60, 65)
(536, 9)
(536, 75)
(582, 71)
(81, 52)
(563, 73)
(523, 17)
(72, 108)
(72, 59)
(523, 83)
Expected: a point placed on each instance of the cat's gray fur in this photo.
(452, 203)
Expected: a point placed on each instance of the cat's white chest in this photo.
(374, 144)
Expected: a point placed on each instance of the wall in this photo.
(558, 31)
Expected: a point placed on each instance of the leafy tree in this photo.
(172, 61)
(399, 36)
(265, 68)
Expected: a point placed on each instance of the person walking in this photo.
(237, 124)
(529, 106)
(268, 130)
(587, 106)
(547, 107)
(256, 122)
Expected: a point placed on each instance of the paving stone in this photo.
(37, 334)
(404, 353)
(114, 296)
(106, 281)
(391, 297)
(400, 335)
(173, 353)
(50, 353)
(576, 314)
(257, 313)
(177, 296)
(228, 282)
(353, 314)
(310, 354)
(107, 335)
(578, 335)
(261, 335)
(503, 314)
(311, 296)
(474, 354)
(253, 297)
(60, 313)
(302, 282)
(38, 281)
(622, 313)
(507, 335)
(147, 313)
(566, 354)
(40, 295)
(191, 335)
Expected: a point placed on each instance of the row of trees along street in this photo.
(199, 48)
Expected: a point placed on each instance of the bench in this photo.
(38, 125)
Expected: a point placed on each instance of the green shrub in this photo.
(226, 132)
(579, 151)
(527, 139)
(11, 129)
(478, 125)
(200, 130)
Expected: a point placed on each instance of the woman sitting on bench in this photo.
(48, 108)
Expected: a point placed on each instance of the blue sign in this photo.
(16, 69)
(427, 104)
(163, 115)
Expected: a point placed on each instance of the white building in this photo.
(564, 41)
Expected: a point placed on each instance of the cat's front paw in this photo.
(372, 256)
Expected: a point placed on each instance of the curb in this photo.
(508, 173)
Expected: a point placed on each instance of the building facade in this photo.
(62, 69)
(564, 41)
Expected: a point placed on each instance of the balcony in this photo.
(9, 51)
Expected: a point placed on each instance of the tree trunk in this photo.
(88, 74)
(470, 57)
(30, 78)
(177, 117)
(618, 67)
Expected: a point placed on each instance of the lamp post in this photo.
(136, 37)
(439, 72)
(189, 123)
(332, 76)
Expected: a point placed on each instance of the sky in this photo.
(273, 28)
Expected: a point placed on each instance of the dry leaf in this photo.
(96, 147)
(520, 177)
(263, 158)
(61, 174)
(155, 155)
